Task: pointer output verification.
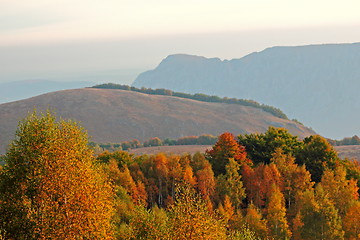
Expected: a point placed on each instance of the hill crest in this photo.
(117, 115)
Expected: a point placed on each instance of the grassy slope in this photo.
(117, 115)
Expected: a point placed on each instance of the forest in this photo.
(270, 185)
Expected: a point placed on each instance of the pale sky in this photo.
(69, 39)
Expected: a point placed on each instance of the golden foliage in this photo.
(51, 187)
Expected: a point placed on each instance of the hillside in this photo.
(310, 83)
(117, 115)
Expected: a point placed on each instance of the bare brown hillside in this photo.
(349, 151)
(117, 115)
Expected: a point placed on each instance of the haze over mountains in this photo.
(316, 84)
(13, 91)
(118, 115)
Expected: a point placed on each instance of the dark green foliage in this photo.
(206, 139)
(260, 147)
(317, 154)
(122, 158)
(198, 96)
(170, 142)
(125, 145)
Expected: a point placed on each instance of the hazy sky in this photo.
(114, 40)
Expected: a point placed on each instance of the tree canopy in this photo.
(51, 187)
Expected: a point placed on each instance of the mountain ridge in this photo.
(307, 82)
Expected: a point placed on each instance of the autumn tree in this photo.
(152, 142)
(319, 216)
(342, 192)
(205, 180)
(351, 221)
(255, 221)
(150, 224)
(51, 187)
(225, 148)
(296, 179)
(190, 219)
(253, 182)
(276, 215)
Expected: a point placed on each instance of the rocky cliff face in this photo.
(316, 84)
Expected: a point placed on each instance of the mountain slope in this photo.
(117, 115)
(309, 83)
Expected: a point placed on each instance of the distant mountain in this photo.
(17, 90)
(118, 115)
(316, 84)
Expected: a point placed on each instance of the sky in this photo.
(115, 40)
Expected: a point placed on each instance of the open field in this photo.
(351, 152)
(181, 149)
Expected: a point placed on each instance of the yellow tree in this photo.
(319, 216)
(51, 187)
(276, 215)
(341, 191)
(255, 221)
(351, 221)
(190, 219)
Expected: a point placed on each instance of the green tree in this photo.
(260, 147)
(231, 185)
(51, 187)
(317, 154)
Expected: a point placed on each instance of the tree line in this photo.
(197, 96)
(354, 140)
(206, 139)
(254, 186)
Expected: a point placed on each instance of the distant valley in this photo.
(316, 84)
(118, 115)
